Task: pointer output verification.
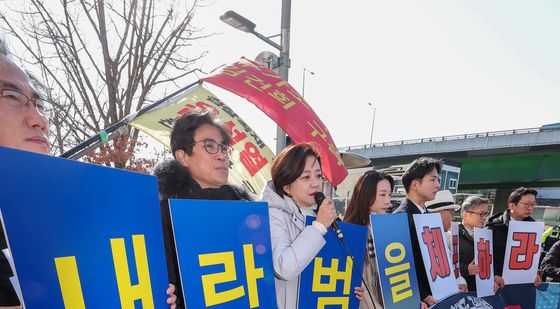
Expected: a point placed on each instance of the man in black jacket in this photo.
(474, 212)
(421, 182)
(521, 203)
(200, 144)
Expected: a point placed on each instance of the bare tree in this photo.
(103, 59)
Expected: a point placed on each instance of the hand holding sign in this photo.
(473, 269)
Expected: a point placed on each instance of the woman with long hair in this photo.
(372, 195)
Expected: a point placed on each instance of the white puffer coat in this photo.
(294, 245)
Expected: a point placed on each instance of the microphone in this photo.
(319, 198)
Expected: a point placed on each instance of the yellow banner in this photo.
(251, 158)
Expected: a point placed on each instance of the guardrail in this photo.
(449, 138)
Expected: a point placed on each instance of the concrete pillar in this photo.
(501, 201)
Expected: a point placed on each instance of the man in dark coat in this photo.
(200, 144)
(421, 182)
(474, 212)
(521, 203)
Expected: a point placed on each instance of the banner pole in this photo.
(113, 131)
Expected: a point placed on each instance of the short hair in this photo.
(182, 135)
(472, 202)
(518, 193)
(365, 193)
(420, 168)
(289, 165)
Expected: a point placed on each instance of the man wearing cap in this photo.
(444, 204)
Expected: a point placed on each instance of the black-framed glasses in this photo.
(212, 147)
(17, 100)
(528, 204)
(481, 214)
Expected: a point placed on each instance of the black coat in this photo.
(499, 224)
(175, 182)
(408, 207)
(8, 296)
(551, 263)
(466, 256)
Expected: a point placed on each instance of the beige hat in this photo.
(444, 200)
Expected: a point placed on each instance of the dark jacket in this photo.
(175, 182)
(8, 296)
(466, 256)
(408, 207)
(499, 224)
(551, 263)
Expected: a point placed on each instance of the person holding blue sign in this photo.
(24, 125)
(200, 144)
(296, 177)
(371, 195)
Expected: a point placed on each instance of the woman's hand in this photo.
(172, 299)
(359, 292)
(326, 213)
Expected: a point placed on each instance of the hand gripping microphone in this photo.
(319, 198)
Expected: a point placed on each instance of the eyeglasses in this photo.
(528, 204)
(481, 214)
(17, 100)
(212, 147)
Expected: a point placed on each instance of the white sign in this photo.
(455, 248)
(484, 259)
(522, 251)
(432, 241)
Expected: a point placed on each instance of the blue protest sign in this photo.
(331, 277)
(224, 253)
(395, 261)
(82, 235)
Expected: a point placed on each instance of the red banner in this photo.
(283, 104)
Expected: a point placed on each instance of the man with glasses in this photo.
(23, 125)
(474, 212)
(521, 203)
(200, 145)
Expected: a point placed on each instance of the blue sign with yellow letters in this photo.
(330, 279)
(82, 235)
(228, 263)
(395, 261)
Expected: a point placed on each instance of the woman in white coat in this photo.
(296, 177)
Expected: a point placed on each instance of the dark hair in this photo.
(365, 192)
(289, 165)
(516, 195)
(472, 202)
(4, 50)
(420, 168)
(182, 135)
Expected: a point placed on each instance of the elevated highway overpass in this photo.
(489, 160)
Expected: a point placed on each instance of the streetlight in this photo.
(239, 22)
(303, 86)
(372, 123)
